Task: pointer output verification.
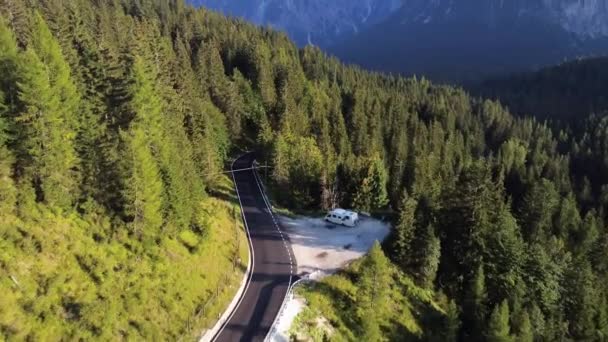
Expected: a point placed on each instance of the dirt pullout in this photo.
(323, 248)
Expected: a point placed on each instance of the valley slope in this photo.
(445, 40)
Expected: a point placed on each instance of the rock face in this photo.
(450, 40)
(318, 22)
(584, 18)
(469, 40)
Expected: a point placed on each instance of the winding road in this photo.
(272, 266)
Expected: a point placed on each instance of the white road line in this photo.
(268, 206)
(289, 286)
(251, 252)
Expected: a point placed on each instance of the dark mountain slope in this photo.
(569, 91)
(464, 45)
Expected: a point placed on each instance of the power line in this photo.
(239, 170)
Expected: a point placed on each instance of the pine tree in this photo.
(169, 145)
(373, 293)
(263, 79)
(9, 70)
(16, 14)
(8, 192)
(585, 239)
(371, 194)
(46, 138)
(524, 331)
(543, 271)
(48, 124)
(427, 251)
(504, 257)
(357, 122)
(602, 319)
(49, 51)
(474, 306)
(498, 326)
(581, 308)
(452, 322)
(405, 232)
(537, 318)
(92, 77)
(567, 221)
(466, 218)
(536, 212)
(221, 90)
(144, 188)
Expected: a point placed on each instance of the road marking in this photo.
(289, 286)
(251, 252)
(268, 207)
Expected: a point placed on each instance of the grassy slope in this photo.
(64, 277)
(334, 299)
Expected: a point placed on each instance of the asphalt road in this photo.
(272, 266)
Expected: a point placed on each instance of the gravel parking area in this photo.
(323, 248)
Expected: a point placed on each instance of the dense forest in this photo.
(117, 115)
(567, 92)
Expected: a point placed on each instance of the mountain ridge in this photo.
(480, 38)
(311, 22)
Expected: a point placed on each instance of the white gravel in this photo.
(322, 248)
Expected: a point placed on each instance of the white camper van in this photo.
(343, 217)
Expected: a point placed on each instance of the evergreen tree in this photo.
(8, 62)
(474, 306)
(602, 319)
(536, 212)
(373, 294)
(8, 192)
(580, 309)
(452, 322)
(371, 193)
(404, 232)
(498, 326)
(468, 213)
(46, 138)
(144, 188)
(504, 257)
(524, 331)
(169, 146)
(426, 251)
(49, 51)
(221, 90)
(538, 321)
(567, 221)
(9, 70)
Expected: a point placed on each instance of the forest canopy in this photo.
(116, 117)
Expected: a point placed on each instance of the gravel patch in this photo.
(322, 248)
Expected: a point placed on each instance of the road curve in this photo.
(272, 266)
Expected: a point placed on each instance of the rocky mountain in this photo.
(318, 22)
(468, 40)
(447, 40)
(584, 18)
